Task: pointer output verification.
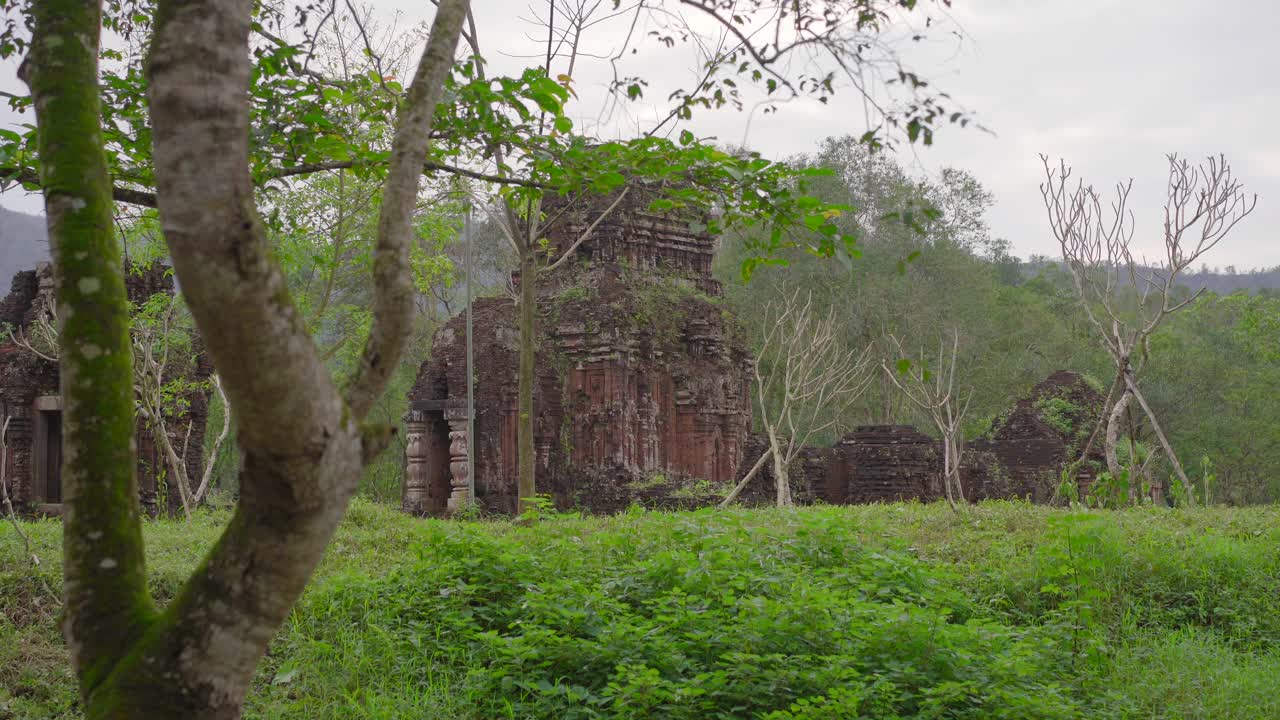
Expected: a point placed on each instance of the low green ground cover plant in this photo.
(888, 611)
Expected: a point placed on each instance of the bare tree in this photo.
(152, 341)
(40, 336)
(805, 381)
(1203, 204)
(934, 392)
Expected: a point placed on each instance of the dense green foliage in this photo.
(857, 612)
(1216, 368)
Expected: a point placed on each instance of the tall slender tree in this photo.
(302, 435)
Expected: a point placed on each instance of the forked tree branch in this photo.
(935, 393)
(805, 379)
(586, 234)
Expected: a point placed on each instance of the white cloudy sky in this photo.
(1111, 85)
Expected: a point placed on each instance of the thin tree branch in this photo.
(586, 234)
(393, 281)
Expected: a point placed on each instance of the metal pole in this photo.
(471, 400)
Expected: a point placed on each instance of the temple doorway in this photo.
(439, 476)
(427, 473)
(47, 451)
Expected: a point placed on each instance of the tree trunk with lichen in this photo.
(781, 479)
(107, 606)
(302, 437)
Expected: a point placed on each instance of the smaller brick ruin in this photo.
(884, 463)
(32, 405)
(1022, 456)
(1026, 450)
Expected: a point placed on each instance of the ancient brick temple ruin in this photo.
(643, 395)
(32, 406)
(643, 378)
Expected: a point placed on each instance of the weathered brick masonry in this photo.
(30, 401)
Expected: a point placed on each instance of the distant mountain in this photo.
(23, 244)
(1220, 281)
(1225, 282)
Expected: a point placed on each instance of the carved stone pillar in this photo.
(459, 488)
(542, 443)
(646, 423)
(416, 496)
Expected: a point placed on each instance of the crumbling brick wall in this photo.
(883, 463)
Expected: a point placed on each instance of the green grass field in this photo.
(897, 611)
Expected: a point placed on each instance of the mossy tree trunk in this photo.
(302, 437)
(105, 589)
(781, 478)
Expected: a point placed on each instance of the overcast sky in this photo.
(1109, 85)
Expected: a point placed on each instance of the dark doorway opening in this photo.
(47, 457)
(439, 476)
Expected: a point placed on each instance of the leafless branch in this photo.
(935, 393)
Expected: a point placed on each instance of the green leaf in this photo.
(904, 366)
(548, 102)
(611, 180)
